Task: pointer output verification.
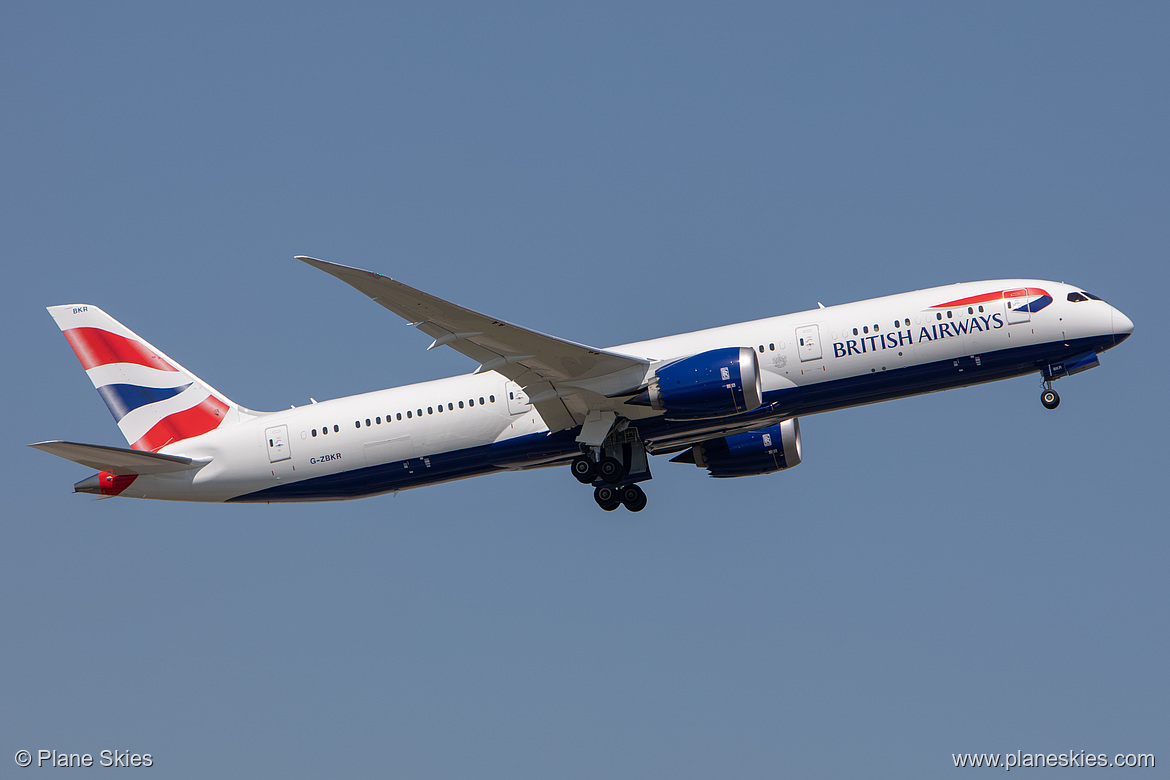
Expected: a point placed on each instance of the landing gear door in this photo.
(808, 340)
(277, 440)
(1016, 302)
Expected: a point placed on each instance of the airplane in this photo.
(727, 399)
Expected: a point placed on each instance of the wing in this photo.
(564, 380)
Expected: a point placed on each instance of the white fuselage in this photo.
(810, 361)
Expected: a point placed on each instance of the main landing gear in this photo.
(613, 468)
(587, 470)
(629, 496)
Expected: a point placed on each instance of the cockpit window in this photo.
(1090, 295)
(1076, 297)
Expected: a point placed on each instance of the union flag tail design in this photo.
(154, 400)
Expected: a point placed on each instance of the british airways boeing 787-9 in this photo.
(726, 399)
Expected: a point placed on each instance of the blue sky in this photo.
(960, 572)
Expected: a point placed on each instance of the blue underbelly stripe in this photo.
(792, 402)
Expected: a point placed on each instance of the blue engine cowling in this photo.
(744, 454)
(715, 383)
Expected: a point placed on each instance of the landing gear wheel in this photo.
(633, 498)
(1050, 399)
(584, 469)
(607, 498)
(611, 470)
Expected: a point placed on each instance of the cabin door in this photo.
(277, 439)
(808, 341)
(1016, 302)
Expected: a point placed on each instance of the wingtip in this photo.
(337, 269)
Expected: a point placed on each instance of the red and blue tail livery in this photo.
(154, 401)
(724, 399)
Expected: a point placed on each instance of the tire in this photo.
(606, 498)
(611, 470)
(1050, 399)
(584, 469)
(633, 498)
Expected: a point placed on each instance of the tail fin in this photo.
(154, 400)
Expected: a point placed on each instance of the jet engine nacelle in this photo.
(756, 452)
(711, 384)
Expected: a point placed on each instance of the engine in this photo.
(711, 384)
(744, 454)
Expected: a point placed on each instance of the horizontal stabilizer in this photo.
(118, 461)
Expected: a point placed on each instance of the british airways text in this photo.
(939, 330)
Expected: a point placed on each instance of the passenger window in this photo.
(471, 402)
(481, 400)
(357, 423)
(865, 329)
(460, 404)
(378, 420)
(440, 408)
(430, 410)
(875, 328)
(761, 348)
(970, 310)
(314, 433)
(492, 398)
(408, 414)
(980, 309)
(950, 314)
(855, 331)
(367, 422)
(772, 347)
(325, 431)
(451, 406)
(336, 429)
(399, 415)
(938, 315)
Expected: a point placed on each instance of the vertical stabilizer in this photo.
(154, 400)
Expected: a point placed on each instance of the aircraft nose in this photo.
(1122, 326)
